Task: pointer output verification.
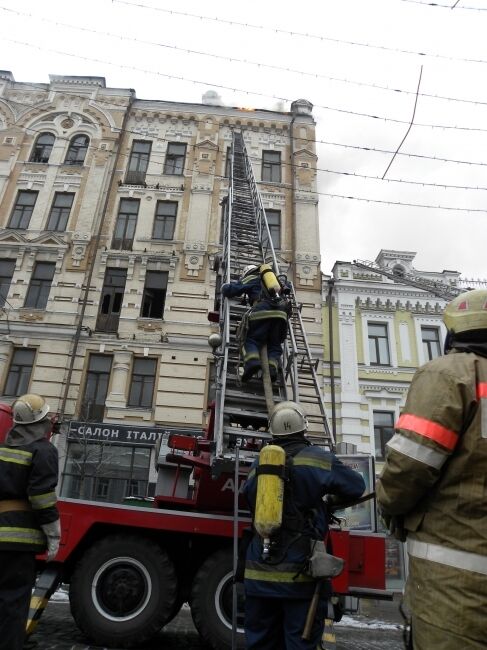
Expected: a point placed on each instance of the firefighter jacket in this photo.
(435, 477)
(313, 473)
(262, 307)
(28, 478)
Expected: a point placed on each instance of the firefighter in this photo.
(434, 488)
(278, 591)
(266, 324)
(29, 520)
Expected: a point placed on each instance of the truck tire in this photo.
(211, 601)
(123, 591)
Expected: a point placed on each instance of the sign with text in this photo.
(109, 432)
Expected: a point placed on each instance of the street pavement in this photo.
(58, 631)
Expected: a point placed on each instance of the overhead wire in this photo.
(190, 172)
(242, 90)
(157, 138)
(310, 35)
(233, 59)
(445, 6)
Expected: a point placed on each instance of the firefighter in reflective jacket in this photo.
(278, 590)
(29, 520)
(434, 485)
(267, 321)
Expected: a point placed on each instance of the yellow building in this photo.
(110, 218)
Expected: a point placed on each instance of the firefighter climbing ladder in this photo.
(247, 240)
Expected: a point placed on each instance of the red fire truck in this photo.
(131, 568)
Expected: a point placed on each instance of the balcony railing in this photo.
(135, 178)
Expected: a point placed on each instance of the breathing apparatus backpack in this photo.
(274, 288)
(278, 520)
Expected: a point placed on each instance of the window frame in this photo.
(22, 383)
(20, 210)
(172, 160)
(129, 221)
(379, 434)
(136, 393)
(4, 286)
(100, 378)
(269, 167)
(147, 289)
(59, 212)
(108, 321)
(165, 221)
(138, 162)
(71, 159)
(427, 343)
(275, 229)
(37, 297)
(376, 339)
(39, 150)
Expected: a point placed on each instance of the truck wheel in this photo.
(211, 602)
(123, 590)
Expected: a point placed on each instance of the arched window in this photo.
(77, 150)
(398, 271)
(42, 148)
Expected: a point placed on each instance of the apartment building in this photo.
(110, 220)
(379, 332)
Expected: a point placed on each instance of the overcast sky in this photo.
(359, 56)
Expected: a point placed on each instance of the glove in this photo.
(53, 533)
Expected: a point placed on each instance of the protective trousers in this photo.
(17, 578)
(427, 637)
(272, 332)
(278, 623)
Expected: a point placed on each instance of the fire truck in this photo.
(130, 568)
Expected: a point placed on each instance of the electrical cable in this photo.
(259, 64)
(287, 32)
(443, 6)
(245, 91)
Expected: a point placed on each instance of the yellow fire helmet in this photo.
(29, 408)
(467, 312)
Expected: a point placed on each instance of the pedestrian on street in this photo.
(266, 321)
(29, 520)
(278, 589)
(434, 485)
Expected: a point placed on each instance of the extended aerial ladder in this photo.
(240, 410)
(436, 287)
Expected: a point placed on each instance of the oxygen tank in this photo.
(270, 494)
(269, 280)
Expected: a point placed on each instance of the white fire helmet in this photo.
(287, 418)
(249, 269)
(29, 408)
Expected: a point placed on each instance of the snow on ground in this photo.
(357, 621)
(368, 623)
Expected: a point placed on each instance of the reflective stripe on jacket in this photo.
(314, 473)
(27, 473)
(435, 478)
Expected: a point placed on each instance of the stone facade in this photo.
(145, 180)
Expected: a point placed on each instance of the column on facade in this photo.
(117, 397)
(6, 348)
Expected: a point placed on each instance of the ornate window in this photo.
(274, 221)
(77, 150)
(142, 384)
(42, 148)
(138, 162)
(431, 342)
(378, 344)
(154, 294)
(123, 237)
(383, 431)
